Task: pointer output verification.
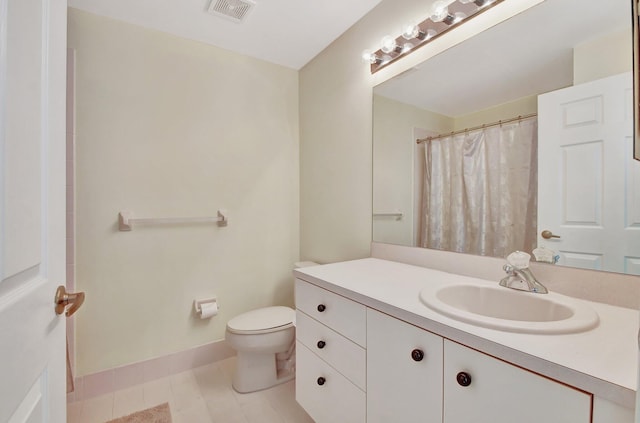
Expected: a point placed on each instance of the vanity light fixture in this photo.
(444, 16)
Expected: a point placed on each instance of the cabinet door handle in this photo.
(417, 355)
(321, 344)
(321, 381)
(321, 308)
(463, 378)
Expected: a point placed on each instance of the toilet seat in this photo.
(262, 320)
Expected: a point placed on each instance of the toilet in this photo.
(264, 340)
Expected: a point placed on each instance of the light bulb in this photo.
(369, 57)
(439, 11)
(388, 44)
(410, 31)
(458, 16)
(406, 47)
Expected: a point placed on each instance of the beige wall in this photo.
(522, 106)
(171, 127)
(602, 57)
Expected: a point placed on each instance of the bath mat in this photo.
(158, 414)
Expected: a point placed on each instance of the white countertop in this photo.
(602, 361)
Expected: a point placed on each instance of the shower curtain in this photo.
(480, 191)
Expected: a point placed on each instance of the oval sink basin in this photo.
(511, 310)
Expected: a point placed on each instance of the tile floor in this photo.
(201, 395)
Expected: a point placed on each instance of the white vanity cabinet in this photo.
(356, 364)
(404, 372)
(483, 389)
(330, 355)
(416, 376)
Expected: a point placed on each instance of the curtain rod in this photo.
(488, 125)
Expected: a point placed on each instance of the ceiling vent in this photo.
(235, 10)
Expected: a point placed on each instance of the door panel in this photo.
(32, 407)
(22, 189)
(582, 190)
(32, 216)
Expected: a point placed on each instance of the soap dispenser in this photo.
(519, 275)
(545, 255)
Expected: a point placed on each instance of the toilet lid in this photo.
(262, 319)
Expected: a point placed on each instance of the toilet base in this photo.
(257, 371)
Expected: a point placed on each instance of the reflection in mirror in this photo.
(552, 169)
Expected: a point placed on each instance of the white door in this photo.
(589, 184)
(32, 214)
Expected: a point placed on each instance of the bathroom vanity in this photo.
(369, 349)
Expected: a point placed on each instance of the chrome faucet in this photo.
(519, 275)
(522, 277)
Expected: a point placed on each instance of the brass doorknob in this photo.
(64, 298)
(546, 234)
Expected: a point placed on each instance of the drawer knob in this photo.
(464, 379)
(417, 355)
(321, 344)
(321, 308)
(321, 381)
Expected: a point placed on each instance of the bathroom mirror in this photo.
(553, 47)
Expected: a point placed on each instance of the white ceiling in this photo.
(529, 54)
(286, 32)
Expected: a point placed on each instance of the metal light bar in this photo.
(455, 14)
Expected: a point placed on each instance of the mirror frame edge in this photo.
(636, 77)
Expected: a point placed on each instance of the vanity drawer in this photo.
(340, 314)
(345, 356)
(324, 393)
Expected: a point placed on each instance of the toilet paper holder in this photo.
(197, 304)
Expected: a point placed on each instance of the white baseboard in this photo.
(100, 383)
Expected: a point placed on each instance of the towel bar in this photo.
(126, 220)
(397, 214)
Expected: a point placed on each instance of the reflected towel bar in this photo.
(126, 220)
(397, 214)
